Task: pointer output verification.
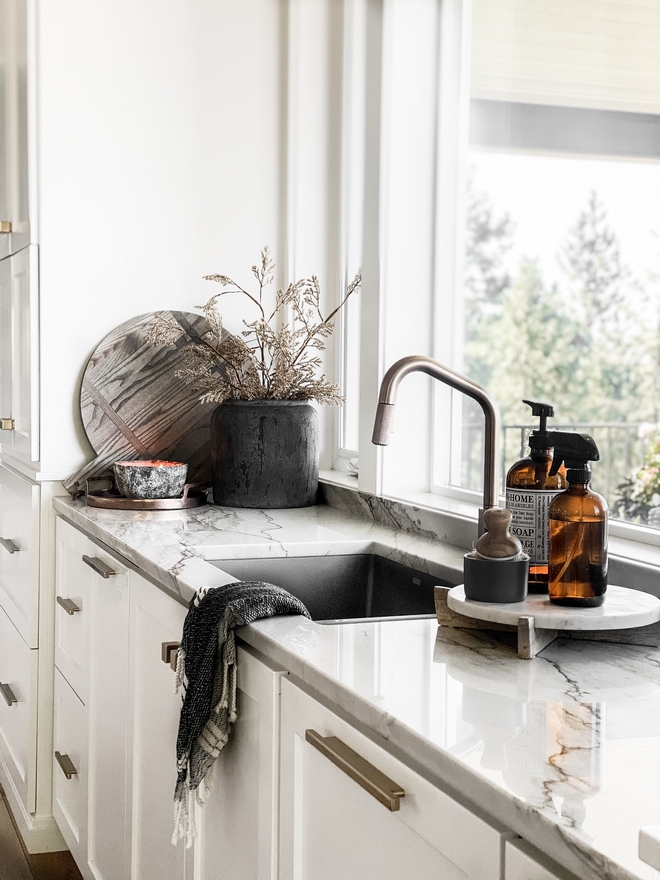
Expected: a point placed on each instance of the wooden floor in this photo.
(16, 864)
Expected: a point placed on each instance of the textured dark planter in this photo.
(264, 453)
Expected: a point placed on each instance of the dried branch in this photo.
(261, 363)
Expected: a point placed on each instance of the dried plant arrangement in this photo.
(272, 359)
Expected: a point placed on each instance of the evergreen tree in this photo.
(487, 280)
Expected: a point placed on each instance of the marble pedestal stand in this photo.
(538, 622)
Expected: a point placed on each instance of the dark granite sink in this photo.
(340, 588)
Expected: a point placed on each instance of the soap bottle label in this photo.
(529, 520)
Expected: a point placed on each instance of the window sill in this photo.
(633, 563)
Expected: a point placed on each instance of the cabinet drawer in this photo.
(70, 768)
(18, 676)
(328, 819)
(84, 573)
(19, 553)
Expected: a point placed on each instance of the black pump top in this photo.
(539, 439)
(576, 451)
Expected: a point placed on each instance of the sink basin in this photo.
(340, 588)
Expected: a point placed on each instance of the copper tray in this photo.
(194, 495)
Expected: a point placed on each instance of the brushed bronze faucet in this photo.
(420, 363)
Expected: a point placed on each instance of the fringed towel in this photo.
(206, 668)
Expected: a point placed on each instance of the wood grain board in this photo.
(134, 407)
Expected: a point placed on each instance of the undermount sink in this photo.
(341, 588)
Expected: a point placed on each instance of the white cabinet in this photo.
(19, 355)
(331, 827)
(91, 656)
(13, 128)
(19, 553)
(237, 837)
(18, 678)
(108, 849)
(238, 826)
(70, 767)
(154, 716)
(119, 824)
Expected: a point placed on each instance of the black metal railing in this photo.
(621, 449)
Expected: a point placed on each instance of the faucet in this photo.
(385, 413)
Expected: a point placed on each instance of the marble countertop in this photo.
(564, 749)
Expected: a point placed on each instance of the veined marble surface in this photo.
(564, 749)
(623, 608)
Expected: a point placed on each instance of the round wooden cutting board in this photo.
(134, 407)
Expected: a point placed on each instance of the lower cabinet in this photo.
(70, 767)
(156, 619)
(18, 681)
(297, 793)
(340, 816)
(116, 809)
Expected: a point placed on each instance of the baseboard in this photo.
(40, 833)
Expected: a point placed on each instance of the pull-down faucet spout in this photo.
(420, 363)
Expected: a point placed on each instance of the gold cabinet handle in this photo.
(5, 225)
(8, 694)
(66, 765)
(99, 566)
(169, 653)
(7, 424)
(9, 545)
(69, 606)
(385, 790)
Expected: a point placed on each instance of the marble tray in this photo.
(538, 622)
(622, 609)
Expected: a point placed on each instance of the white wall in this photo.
(159, 155)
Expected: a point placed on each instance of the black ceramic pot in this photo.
(495, 580)
(264, 453)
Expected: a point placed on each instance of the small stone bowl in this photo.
(150, 479)
(495, 580)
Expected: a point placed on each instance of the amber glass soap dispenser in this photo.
(529, 490)
(578, 527)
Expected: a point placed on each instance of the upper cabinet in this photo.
(14, 212)
(19, 352)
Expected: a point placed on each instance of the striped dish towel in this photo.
(206, 671)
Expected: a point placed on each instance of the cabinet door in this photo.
(18, 712)
(20, 356)
(108, 833)
(153, 722)
(70, 768)
(13, 126)
(72, 612)
(19, 553)
(331, 828)
(238, 826)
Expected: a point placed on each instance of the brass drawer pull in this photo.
(8, 694)
(9, 545)
(69, 606)
(361, 771)
(169, 652)
(66, 765)
(99, 566)
(5, 225)
(7, 424)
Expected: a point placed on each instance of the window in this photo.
(511, 156)
(561, 289)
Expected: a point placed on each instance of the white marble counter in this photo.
(564, 749)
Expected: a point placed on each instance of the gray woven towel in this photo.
(206, 668)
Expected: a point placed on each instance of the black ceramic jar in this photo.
(264, 453)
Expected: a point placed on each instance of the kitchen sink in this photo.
(340, 588)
